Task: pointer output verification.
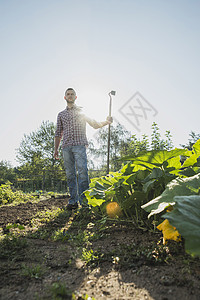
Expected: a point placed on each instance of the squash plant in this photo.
(182, 197)
(148, 183)
(143, 178)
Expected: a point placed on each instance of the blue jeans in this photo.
(75, 161)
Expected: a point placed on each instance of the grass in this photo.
(12, 246)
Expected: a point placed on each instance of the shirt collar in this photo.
(74, 107)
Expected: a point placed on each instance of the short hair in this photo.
(70, 89)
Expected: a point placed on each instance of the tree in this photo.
(168, 142)
(192, 140)
(136, 145)
(157, 143)
(36, 155)
(39, 143)
(119, 140)
(7, 173)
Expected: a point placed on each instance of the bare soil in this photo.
(111, 260)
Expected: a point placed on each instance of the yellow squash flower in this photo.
(169, 232)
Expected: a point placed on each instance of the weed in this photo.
(13, 229)
(85, 297)
(60, 291)
(60, 235)
(45, 217)
(88, 255)
(41, 233)
(36, 271)
(10, 226)
(80, 239)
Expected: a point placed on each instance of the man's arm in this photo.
(58, 136)
(56, 146)
(96, 124)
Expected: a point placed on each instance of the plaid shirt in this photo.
(71, 125)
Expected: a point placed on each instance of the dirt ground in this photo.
(62, 254)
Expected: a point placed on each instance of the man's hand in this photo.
(96, 124)
(109, 120)
(56, 154)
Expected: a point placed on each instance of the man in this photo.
(71, 126)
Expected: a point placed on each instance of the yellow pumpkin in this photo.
(113, 210)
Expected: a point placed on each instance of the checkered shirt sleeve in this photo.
(59, 126)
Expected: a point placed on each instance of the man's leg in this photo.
(69, 163)
(81, 164)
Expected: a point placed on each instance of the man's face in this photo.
(70, 96)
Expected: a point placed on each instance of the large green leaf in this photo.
(185, 216)
(191, 160)
(137, 196)
(92, 200)
(127, 169)
(174, 163)
(100, 186)
(187, 172)
(155, 174)
(194, 154)
(95, 192)
(141, 167)
(95, 202)
(148, 185)
(196, 147)
(177, 187)
(156, 158)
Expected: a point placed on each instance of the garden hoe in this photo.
(112, 93)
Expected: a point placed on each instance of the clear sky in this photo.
(146, 46)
